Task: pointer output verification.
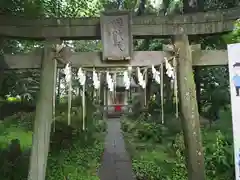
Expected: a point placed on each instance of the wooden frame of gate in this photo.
(51, 30)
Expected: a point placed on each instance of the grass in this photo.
(150, 158)
(74, 154)
(224, 125)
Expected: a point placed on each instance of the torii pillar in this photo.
(44, 115)
(189, 110)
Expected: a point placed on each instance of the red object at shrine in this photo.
(118, 108)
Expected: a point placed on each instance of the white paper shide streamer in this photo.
(81, 77)
(141, 81)
(126, 80)
(156, 75)
(170, 69)
(110, 82)
(96, 80)
(68, 78)
(68, 73)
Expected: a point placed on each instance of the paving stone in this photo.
(124, 171)
(116, 163)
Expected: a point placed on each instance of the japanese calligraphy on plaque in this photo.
(116, 36)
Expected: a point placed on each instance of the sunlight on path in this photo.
(116, 163)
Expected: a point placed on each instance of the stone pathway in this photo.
(116, 163)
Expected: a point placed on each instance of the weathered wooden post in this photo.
(189, 110)
(43, 118)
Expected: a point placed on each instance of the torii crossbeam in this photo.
(93, 59)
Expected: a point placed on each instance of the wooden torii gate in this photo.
(51, 30)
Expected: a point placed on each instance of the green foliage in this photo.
(77, 162)
(143, 130)
(234, 36)
(147, 170)
(166, 159)
(219, 158)
(74, 154)
(214, 94)
(214, 84)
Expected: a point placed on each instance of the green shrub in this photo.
(219, 162)
(218, 151)
(219, 159)
(74, 153)
(143, 130)
(146, 170)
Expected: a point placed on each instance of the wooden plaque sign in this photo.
(116, 35)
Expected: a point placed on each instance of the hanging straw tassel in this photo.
(95, 90)
(54, 95)
(68, 77)
(99, 94)
(161, 92)
(83, 107)
(175, 86)
(68, 73)
(110, 82)
(99, 90)
(145, 89)
(126, 89)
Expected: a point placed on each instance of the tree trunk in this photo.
(189, 111)
(43, 118)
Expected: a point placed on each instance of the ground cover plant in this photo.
(157, 150)
(74, 154)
